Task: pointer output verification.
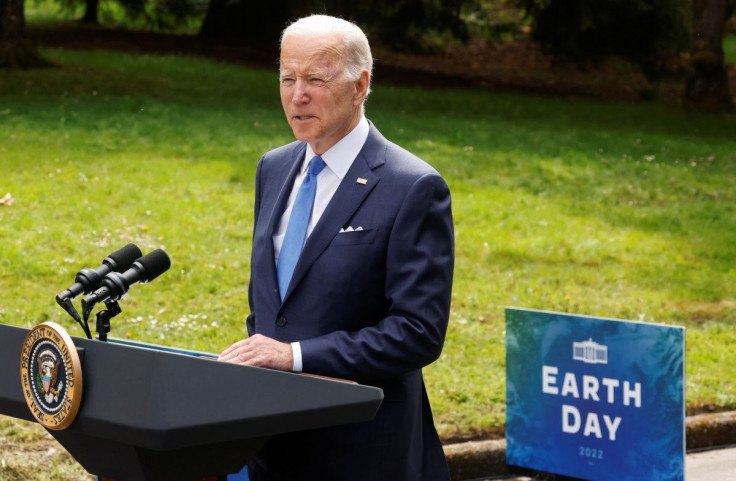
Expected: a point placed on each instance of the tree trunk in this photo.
(707, 87)
(91, 10)
(255, 22)
(15, 49)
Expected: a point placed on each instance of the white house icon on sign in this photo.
(590, 352)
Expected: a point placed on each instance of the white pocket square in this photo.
(350, 229)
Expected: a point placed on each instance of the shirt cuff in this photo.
(296, 351)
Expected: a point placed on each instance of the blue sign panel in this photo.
(596, 399)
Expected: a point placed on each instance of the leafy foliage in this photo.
(155, 14)
(584, 30)
(493, 19)
(409, 25)
(405, 25)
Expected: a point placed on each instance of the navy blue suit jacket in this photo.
(370, 305)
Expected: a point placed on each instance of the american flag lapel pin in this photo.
(361, 181)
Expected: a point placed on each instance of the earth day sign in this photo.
(597, 399)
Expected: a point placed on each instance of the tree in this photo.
(91, 12)
(586, 31)
(16, 50)
(707, 86)
(154, 13)
(404, 25)
(237, 19)
(408, 25)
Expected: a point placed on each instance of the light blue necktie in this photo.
(296, 230)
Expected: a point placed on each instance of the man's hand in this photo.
(260, 351)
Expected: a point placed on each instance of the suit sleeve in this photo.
(250, 322)
(418, 285)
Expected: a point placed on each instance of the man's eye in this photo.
(287, 81)
(316, 80)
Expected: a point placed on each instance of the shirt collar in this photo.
(340, 156)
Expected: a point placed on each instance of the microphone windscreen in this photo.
(125, 257)
(154, 264)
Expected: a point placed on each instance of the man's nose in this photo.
(300, 94)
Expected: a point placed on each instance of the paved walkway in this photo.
(712, 465)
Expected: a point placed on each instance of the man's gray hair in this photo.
(358, 55)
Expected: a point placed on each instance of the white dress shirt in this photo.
(338, 160)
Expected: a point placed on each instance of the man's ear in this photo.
(361, 87)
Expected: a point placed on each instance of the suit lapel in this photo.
(347, 199)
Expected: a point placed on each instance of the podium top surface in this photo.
(162, 400)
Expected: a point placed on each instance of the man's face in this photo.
(320, 104)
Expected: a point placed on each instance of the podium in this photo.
(148, 413)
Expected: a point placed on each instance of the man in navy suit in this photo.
(369, 296)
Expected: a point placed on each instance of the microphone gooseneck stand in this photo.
(103, 319)
(66, 303)
(102, 324)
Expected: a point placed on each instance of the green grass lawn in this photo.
(612, 210)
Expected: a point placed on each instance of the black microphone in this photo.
(115, 285)
(88, 280)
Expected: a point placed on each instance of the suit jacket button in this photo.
(281, 321)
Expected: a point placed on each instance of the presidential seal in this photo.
(51, 376)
